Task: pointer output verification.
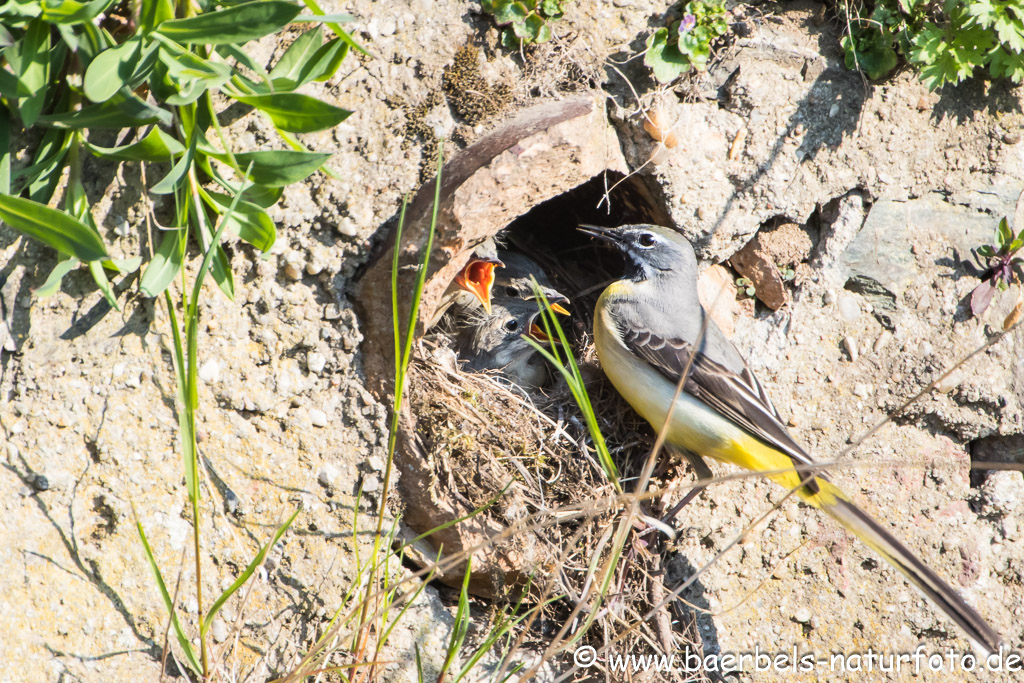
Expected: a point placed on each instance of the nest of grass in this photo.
(523, 460)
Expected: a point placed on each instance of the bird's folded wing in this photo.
(737, 396)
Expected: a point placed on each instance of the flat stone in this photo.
(882, 250)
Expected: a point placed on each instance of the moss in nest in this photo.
(475, 100)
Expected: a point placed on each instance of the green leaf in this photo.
(1006, 64)
(30, 60)
(338, 18)
(261, 195)
(871, 51)
(6, 39)
(5, 150)
(1005, 235)
(11, 86)
(152, 13)
(246, 61)
(236, 24)
(247, 574)
(278, 168)
(216, 262)
(156, 147)
(72, 11)
(100, 277)
(319, 67)
(667, 63)
(21, 9)
(510, 12)
(298, 53)
(189, 74)
(179, 632)
(57, 229)
(250, 222)
(42, 177)
(115, 68)
(120, 111)
(165, 265)
(336, 28)
(326, 61)
(296, 113)
(53, 280)
(176, 176)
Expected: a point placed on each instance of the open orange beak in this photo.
(558, 308)
(538, 334)
(477, 278)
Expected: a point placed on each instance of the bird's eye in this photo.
(645, 239)
(511, 291)
(512, 325)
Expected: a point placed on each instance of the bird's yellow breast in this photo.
(694, 425)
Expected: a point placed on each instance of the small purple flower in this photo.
(687, 24)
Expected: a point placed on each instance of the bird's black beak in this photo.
(606, 234)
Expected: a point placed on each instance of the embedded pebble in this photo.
(328, 475)
(861, 390)
(40, 483)
(803, 615)
(850, 345)
(219, 630)
(948, 383)
(882, 341)
(371, 484)
(209, 371)
(316, 362)
(849, 308)
(829, 298)
(347, 227)
(317, 417)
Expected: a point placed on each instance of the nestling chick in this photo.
(496, 342)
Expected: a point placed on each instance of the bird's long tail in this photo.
(832, 501)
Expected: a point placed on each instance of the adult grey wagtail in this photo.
(650, 328)
(496, 341)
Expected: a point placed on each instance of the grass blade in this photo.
(245, 575)
(179, 632)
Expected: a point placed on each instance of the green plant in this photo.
(527, 20)
(946, 42)
(77, 69)
(1003, 266)
(155, 76)
(746, 286)
(787, 273)
(686, 44)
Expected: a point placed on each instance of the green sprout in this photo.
(1002, 266)
(686, 44)
(527, 19)
(745, 285)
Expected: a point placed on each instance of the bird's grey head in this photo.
(651, 251)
